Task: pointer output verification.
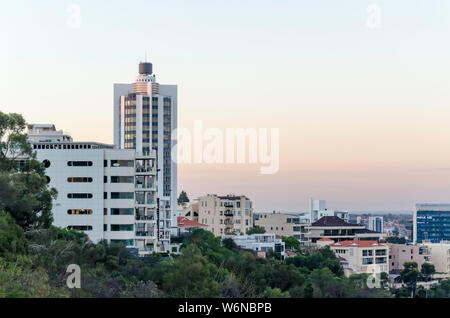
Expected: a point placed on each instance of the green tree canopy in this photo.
(24, 190)
(256, 230)
(183, 198)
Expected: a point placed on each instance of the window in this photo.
(121, 227)
(79, 195)
(46, 163)
(122, 195)
(80, 227)
(367, 261)
(105, 163)
(80, 211)
(122, 163)
(122, 179)
(115, 211)
(79, 163)
(79, 179)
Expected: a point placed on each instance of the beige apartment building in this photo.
(362, 256)
(283, 224)
(440, 256)
(401, 253)
(223, 215)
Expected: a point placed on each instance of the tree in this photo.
(256, 230)
(427, 271)
(291, 243)
(12, 238)
(191, 275)
(183, 198)
(24, 190)
(409, 275)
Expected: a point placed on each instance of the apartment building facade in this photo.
(283, 224)
(337, 229)
(108, 193)
(362, 256)
(224, 215)
(145, 116)
(259, 243)
(440, 256)
(402, 253)
(431, 222)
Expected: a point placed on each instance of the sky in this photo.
(359, 90)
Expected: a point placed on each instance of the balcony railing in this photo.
(144, 233)
(145, 217)
(228, 213)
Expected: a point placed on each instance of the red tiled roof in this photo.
(185, 222)
(325, 239)
(357, 244)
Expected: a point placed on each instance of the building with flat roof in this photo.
(362, 256)
(283, 223)
(318, 209)
(108, 193)
(431, 222)
(259, 243)
(223, 215)
(402, 253)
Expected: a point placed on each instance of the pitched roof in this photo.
(185, 222)
(332, 221)
(357, 244)
(325, 239)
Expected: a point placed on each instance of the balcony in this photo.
(228, 213)
(228, 205)
(144, 233)
(145, 218)
(145, 170)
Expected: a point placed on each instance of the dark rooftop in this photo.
(333, 221)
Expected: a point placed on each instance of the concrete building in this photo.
(362, 256)
(225, 215)
(401, 253)
(259, 243)
(337, 229)
(318, 209)
(110, 194)
(375, 223)
(145, 115)
(283, 224)
(440, 256)
(431, 222)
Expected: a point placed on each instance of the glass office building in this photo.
(431, 223)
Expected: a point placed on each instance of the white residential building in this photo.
(375, 223)
(110, 194)
(145, 115)
(260, 243)
(362, 256)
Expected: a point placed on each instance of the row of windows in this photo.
(114, 195)
(114, 227)
(79, 179)
(114, 211)
(114, 163)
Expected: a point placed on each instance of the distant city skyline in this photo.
(363, 109)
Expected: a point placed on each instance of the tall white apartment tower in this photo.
(145, 116)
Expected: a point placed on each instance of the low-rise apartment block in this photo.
(402, 253)
(283, 224)
(259, 243)
(223, 215)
